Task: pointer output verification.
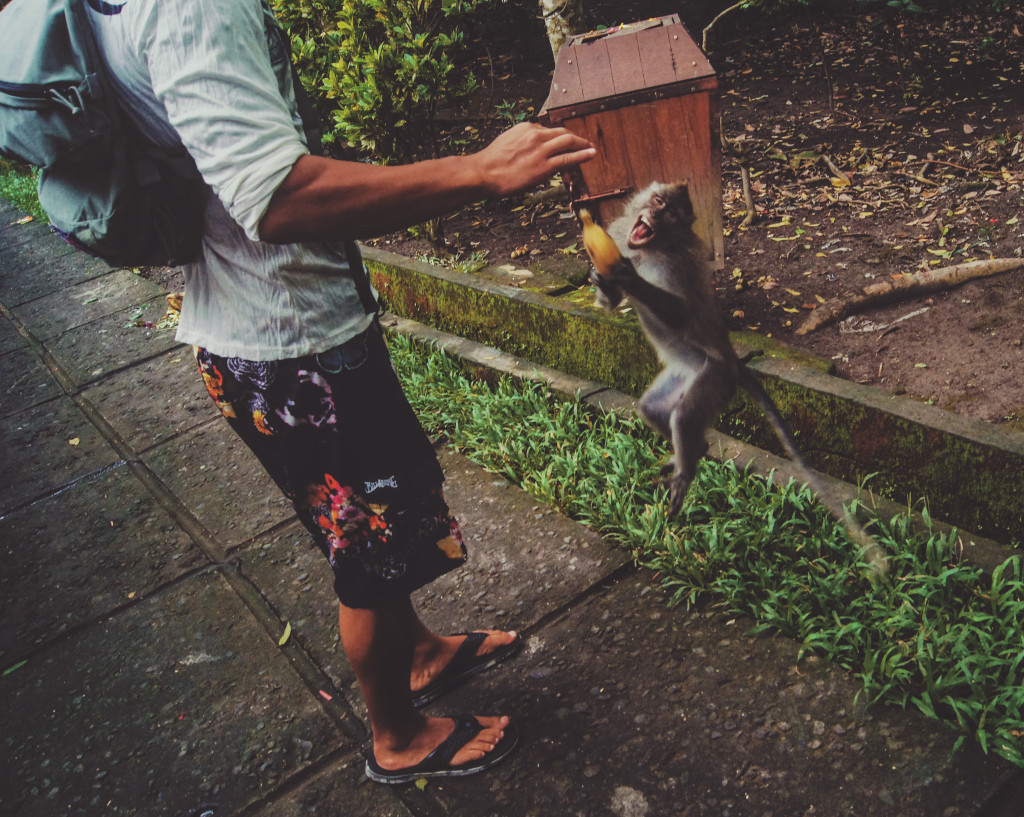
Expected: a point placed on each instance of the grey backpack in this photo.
(105, 188)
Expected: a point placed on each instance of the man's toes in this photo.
(499, 638)
(483, 742)
(494, 640)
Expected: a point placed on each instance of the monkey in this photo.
(670, 288)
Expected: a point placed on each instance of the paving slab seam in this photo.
(61, 489)
(418, 803)
(66, 383)
(277, 528)
(301, 662)
(601, 586)
(342, 757)
(37, 650)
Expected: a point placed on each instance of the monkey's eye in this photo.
(658, 201)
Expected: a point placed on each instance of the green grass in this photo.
(18, 186)
(938, 634)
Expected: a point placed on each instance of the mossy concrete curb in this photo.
(970, 473)
(488, 364)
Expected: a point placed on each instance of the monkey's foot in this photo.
(679, 486)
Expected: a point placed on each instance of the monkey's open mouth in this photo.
(642, 232)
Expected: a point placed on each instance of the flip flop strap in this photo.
(465, 730)
(467, 649)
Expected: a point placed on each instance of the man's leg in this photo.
(380, 643)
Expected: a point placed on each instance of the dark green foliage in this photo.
(311, 26)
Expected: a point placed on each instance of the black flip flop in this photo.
(465, 664)
(438, 762)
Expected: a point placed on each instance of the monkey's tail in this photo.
(871, 551)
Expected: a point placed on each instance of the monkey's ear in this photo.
(600, 246)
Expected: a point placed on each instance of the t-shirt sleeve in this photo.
(210, 64)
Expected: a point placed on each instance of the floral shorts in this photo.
(337, 434)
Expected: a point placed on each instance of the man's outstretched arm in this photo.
(323, 199)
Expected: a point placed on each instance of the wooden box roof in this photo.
(621, 66)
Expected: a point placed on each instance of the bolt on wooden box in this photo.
(647, 97)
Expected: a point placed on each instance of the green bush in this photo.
(387, 68)
(311, 26)
(398, 64)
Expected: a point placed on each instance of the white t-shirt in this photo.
(214, 75)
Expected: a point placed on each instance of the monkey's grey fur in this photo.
(670, 289)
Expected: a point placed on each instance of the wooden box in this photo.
(647, 97)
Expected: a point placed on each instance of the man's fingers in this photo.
(569, 143)
(560, 140)
(563, 149)
(562, 161)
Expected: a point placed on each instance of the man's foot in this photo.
(444, 663)
(447, 747)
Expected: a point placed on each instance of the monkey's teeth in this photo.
(643, 231)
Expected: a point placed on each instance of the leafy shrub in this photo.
(397, 64)
(311, 26)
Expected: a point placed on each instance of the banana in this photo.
(600, 246)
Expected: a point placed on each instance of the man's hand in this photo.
(527, 154)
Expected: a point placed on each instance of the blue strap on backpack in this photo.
(105, 188)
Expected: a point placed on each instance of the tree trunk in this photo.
(562, 19)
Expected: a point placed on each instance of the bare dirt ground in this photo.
(878, 147)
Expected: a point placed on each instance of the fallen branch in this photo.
(920, 283)
(958, 167)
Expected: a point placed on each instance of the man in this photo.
(284, 325)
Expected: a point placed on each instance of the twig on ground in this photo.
(919, 284)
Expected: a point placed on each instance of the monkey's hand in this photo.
(612, 272)
(621, 274)
(609, 295)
